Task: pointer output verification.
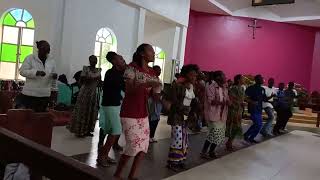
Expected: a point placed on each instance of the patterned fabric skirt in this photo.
(85, 113)
(136, 132)
(216, 132)
(179, 144)
(234, 127)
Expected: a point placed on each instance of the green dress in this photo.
(234, 128)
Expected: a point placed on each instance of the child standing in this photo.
(155, 108)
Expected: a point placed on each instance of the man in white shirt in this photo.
(40, 72)
(268, 108)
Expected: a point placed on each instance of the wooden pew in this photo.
(42, 160)
(34, 126)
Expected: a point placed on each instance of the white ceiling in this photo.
(304, 12)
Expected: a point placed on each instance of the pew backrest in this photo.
(42, 160)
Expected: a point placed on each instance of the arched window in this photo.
(105, 41)
(160, 58)
(16, 41)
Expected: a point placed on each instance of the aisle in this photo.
(294, 156)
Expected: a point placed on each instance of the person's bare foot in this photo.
(213, 156)
(230, 148)
(117, 147)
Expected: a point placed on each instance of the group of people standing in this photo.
(223, 108)
(128, 91)
(133, 100)
(269, 99)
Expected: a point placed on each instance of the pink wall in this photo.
(280, 50)
(315, 74)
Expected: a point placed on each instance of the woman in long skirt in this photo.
(179, 137)
(236, 95)
(85, 111)
(216, 110)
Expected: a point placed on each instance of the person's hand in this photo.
(54, 76)
(40, 73)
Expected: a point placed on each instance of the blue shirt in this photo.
(155, 109)
(257, 94)
(280, 98)
(285, 98)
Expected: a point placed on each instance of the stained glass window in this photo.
(16, 41)
(160, 57)
(105, 41)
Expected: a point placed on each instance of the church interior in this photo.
(277, 39)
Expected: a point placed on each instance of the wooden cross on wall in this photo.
(254, 27)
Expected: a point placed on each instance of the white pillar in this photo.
(176, 43)
(182, 45)
(141, 24)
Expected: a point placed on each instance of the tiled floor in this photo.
(273, 159)
(294, 156)
(66, 143)
(69, 145)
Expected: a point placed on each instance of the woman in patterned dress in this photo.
(237, 96)
(179, 137)
(139, 79)
(85, 112)
(216, 111)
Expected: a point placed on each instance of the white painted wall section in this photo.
(161, 33)
(82, 21)
(175, 10)
(141, 25)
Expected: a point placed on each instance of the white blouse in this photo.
(189, 96)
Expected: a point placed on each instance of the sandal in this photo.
(205, 156)
(103, 162)
(111, 161)
(173, 167)
(213, 156)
